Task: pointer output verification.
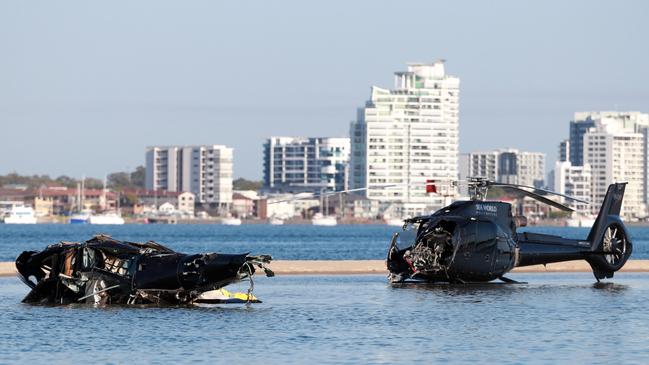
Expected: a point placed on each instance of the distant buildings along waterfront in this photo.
(301, 164)
(407, 135)
(506, 166)
(607, 147)
(206, 171)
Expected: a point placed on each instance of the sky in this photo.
(86, 86)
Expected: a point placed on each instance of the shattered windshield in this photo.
(407, 236)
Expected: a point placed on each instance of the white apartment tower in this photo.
(205, 171)
(407, 135)
(616, 153)
(297, 164)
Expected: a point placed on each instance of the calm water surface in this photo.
(282, 242)
(555, 318)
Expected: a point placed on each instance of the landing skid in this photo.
(510, 281)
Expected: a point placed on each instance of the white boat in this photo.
(80, 218)
(580, 222)
(320, 220)
(20, 215)
(275, 221)
(394, 222)
(106, 218)
(231, 221)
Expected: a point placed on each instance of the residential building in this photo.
(584, 121)
(242, 206)
(407, 135)
(186, 203)
(60, 200)
(507, 166)
(578, 127)
(206, 171)
(574, 181)
(480, 164)
(297, 164)
(564, 150)
(282, 210)
(616, 153)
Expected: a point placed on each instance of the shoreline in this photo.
(377, 267)
(302, 221)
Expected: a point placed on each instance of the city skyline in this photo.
(526, 69)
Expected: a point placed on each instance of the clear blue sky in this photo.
(85, 86)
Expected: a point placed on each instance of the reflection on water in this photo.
(555, 318)
(610, 286)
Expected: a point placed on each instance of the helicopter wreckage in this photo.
(103, 270)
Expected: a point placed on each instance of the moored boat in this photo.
(106, 218)
(320, 220)
(231, 221)
(20, 215)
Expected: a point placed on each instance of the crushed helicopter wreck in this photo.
(103, 270)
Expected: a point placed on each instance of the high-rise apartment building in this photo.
(481, 164)
(205, 171)
(578, 127)
(407, 135)
(574, 181)
(507, 166)
(295, 164)
(616, 153)
(564, 151)
(612, 147)
(584, 121)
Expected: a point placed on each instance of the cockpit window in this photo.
(408, 235)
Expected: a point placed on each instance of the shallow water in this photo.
(305, 242)
(555, 318)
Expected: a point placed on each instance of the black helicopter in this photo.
(477, 241)
(103, 271)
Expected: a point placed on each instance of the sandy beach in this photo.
(377, 267)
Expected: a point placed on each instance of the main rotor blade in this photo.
(537, 197)
(330, 193)
(537, 189)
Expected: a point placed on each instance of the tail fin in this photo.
(611, 206)
(609, 239)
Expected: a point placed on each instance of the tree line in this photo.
(116, 181)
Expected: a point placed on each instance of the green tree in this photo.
(66, 181)
(243, 184)
(92, 183)
(119, 181)
(138, 177)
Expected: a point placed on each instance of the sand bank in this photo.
(369, 267)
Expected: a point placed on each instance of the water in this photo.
(288, 242)
(555, 318)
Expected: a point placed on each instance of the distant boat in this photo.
(580, 221)
(80, 218)
(394, 222)
(231, 221)
(20, 215)
(320, 220)
(106, 218)
(275, 221)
